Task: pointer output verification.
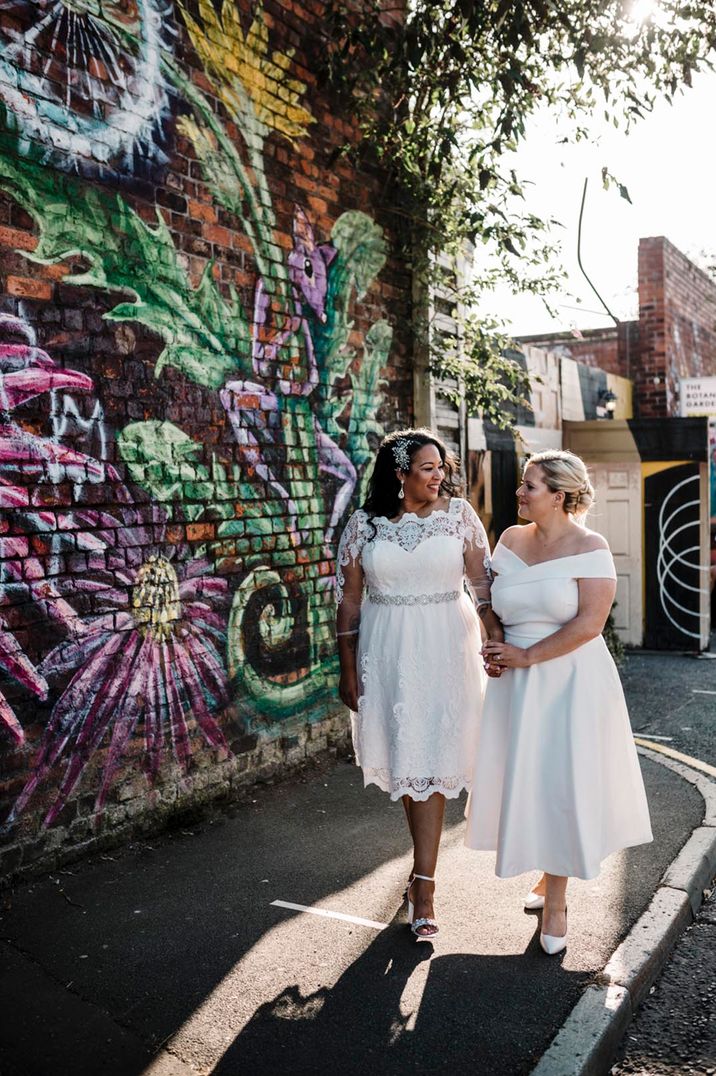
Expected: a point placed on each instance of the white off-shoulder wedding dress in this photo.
(557, 784)
(420, 673)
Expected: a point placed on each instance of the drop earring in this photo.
(401, 491)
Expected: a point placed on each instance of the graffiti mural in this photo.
(34, 532)
(150, 659)
(154, 640)
(82, 80)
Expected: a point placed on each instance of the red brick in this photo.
(27, 288)
(15, 239)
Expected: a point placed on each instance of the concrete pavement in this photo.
(169, 957)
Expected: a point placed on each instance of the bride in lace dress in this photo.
(409, 640)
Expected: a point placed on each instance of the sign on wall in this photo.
(698, 396)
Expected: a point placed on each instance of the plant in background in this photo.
(444, 93)
(614, 644)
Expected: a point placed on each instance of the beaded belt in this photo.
(413, 599)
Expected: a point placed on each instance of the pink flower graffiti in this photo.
(150, 659)
(26, 371)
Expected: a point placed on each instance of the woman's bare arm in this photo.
(595, 601)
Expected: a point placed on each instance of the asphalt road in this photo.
(675, 1029)
(168, 958)
(674, 696)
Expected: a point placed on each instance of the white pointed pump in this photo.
(552, 945)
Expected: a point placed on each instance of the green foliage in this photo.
(444, 93)
(614, 644)
(481, 372)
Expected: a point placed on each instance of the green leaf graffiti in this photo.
(206, 338)
(273, 501)
(361, 256)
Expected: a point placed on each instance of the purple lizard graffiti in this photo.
(254, 410)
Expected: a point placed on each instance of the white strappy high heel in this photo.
(416, 924)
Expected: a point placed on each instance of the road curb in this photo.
(587, 1041)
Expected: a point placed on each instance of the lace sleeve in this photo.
(349, 575)
(476, 555)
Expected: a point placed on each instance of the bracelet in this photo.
(355, 632)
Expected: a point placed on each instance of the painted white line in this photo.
(700, 691)
(667, 738)
(330, 915)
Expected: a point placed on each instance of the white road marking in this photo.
(701, 691)
(330, 915)
(667, 738)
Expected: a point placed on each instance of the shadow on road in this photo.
(175, 946)
(400, 1008)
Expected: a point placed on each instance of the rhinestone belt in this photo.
(413, 599)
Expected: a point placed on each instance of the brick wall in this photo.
(677, 318)
(198, 302)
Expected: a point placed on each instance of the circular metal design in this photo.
(672, 562)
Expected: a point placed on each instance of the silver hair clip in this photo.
(401, 455)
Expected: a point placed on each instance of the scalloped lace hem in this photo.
(418, 788)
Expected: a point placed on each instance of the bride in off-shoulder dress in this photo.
(557, 785)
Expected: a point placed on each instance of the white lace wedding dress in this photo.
(421, 677)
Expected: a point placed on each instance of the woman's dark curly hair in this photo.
(384, 486)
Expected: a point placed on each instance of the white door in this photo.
(618, 515)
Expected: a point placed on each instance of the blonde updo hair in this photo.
(566, 473)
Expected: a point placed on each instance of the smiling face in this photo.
(535, 500)
(426, 474)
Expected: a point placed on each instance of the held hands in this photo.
(500, 655)
(492, 669)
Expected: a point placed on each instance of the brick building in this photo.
(674, 336)
(653, 476)
(200, 344)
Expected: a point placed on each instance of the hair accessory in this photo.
(401, 454)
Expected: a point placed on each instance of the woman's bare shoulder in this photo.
(513, 535)
(590, 540)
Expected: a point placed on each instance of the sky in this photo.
(668, 164)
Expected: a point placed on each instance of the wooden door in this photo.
(617, 515)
